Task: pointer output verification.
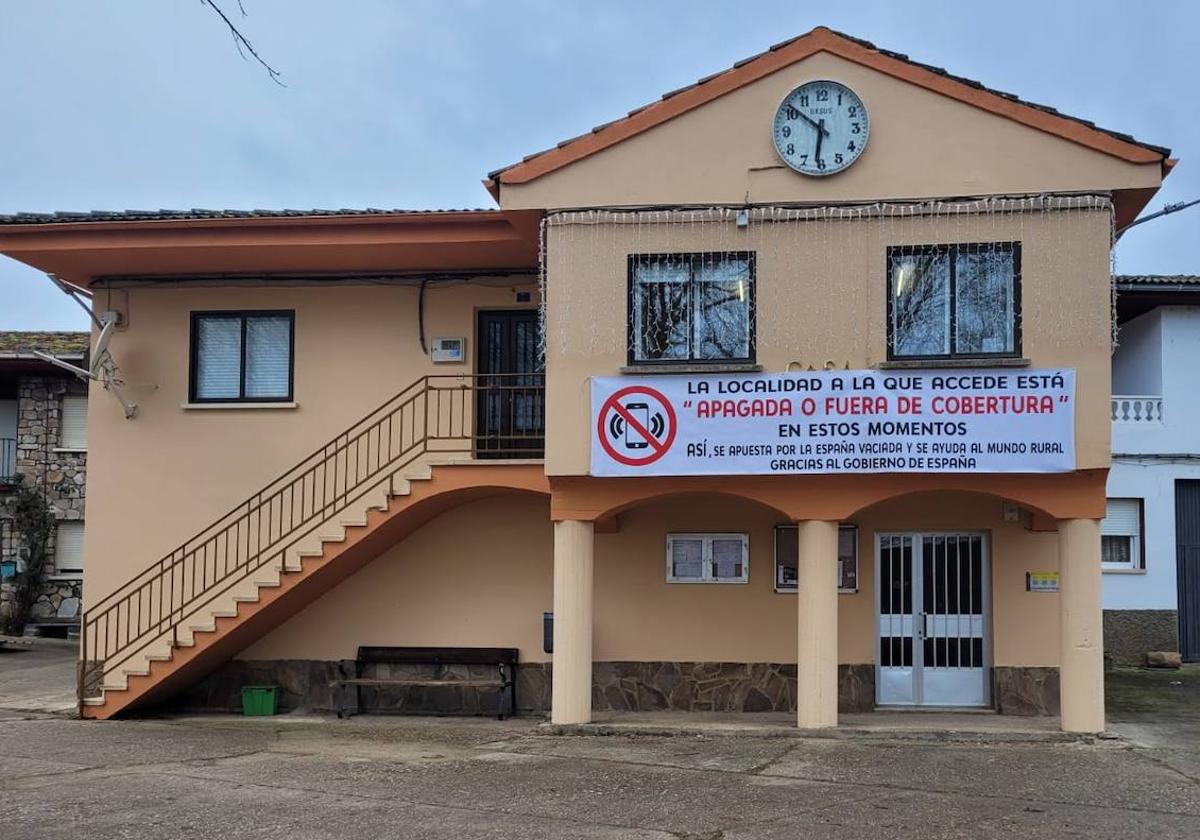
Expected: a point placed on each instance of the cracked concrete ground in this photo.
(308, 777)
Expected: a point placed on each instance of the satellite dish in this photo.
(101, 367)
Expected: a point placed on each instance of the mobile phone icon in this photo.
(641, 413)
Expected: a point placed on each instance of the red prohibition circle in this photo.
(657, 448)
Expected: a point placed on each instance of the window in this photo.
(1121, 535)
(73, 432)
(242, 356)
(787, 550)
(68, 547)
(708, 558)
(954, 301)
(691, 308)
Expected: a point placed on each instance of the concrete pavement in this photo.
(309, 777)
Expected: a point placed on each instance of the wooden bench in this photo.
(504, 660)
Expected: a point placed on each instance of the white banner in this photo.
(853, 421)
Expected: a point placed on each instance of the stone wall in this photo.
(1129, 634)
(1025, 691)
(61, 474)
(617, 686)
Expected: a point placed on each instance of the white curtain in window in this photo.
(218, 358)
(268, 356)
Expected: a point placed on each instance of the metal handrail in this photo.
(496, 415)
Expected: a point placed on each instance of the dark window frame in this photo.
(243, 315)
(693, 259)
(951, 250)
(1141, 534)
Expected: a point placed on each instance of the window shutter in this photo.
(73, 432)
(268, 357)
(218, 358)
(1122, 517)
(68, 549)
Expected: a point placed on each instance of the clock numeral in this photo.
(821, 163)
(853, 112)
(837, 158)
(791, 149)
(792, 113)
(850, 147)
(855, 128)
(804, 100)
(804, 160)
(786, 131)
(822, 94)
(839, 99)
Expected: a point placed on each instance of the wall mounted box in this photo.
(448, 350)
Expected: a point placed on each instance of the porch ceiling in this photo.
(83, 248)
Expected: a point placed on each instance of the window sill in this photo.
(1118, 571)
(236, 406)
(935, 364)
(791, 590)
(687, 368)
(68, 450)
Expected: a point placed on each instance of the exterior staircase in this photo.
(431, 447)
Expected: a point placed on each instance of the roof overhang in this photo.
(83, 251)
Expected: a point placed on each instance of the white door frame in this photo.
(916, 629)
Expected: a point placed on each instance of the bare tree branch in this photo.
(242, 42)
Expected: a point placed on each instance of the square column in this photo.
(571, 688)
(1081, 637)
(817, 650)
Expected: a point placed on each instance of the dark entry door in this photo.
(510, 398)
(1187, 559)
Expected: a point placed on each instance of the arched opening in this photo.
(950, 619)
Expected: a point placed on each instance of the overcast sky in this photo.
(145, 104)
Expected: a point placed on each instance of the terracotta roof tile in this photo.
(198, 213)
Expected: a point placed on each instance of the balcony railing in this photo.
(8, 460)
(1140, 410)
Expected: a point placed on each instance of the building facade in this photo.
(43, 446)
(398, 428)
(1151, 572)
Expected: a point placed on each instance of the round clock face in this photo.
(821, 128)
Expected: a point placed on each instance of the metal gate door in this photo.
(1187, 559)
(932, 592)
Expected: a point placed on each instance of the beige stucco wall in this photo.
(156, 480)
(821, 292)
(482, 574)
(922, 144)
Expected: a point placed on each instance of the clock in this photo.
(821, 128)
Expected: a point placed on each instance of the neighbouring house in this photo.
(43, 447)
(1151, 533)
(788, 391)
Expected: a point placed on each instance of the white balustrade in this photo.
(1141, 410)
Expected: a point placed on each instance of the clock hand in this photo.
(821, 131)
(819, 126)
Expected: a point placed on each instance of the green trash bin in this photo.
(259, 700)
